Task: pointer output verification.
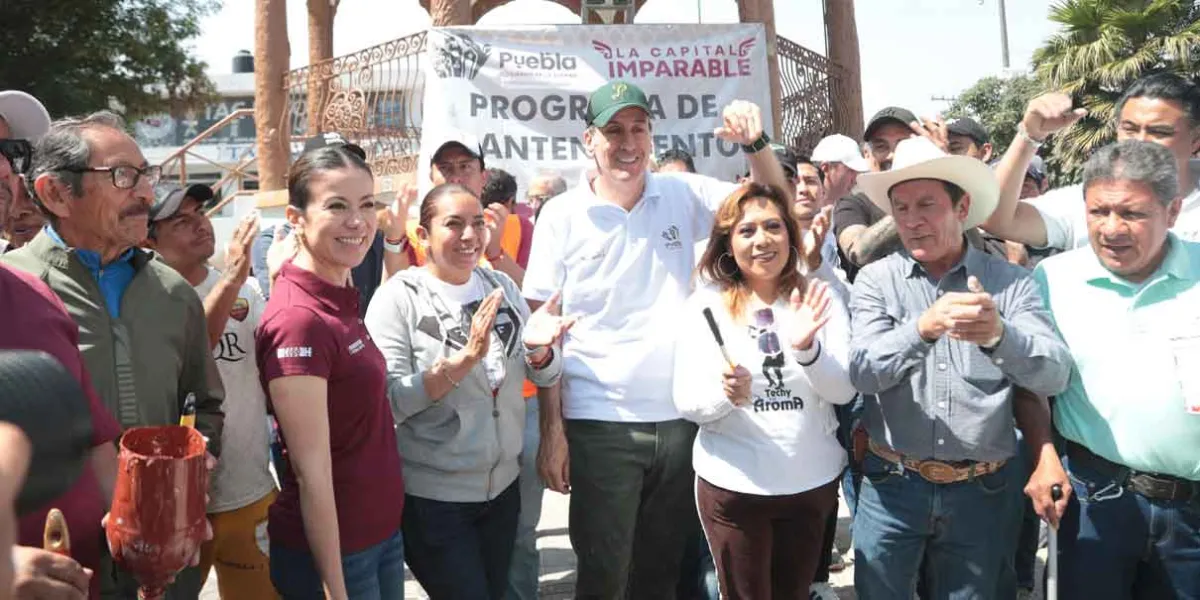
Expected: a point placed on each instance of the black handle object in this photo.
(716, 331)
(46, 402)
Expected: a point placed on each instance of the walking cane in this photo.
(1056, 494)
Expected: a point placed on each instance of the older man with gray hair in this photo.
(541, 189)
(142, 328)
(1129, 310)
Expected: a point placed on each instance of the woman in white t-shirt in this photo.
(767, 460)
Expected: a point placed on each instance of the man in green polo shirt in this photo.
(1129, 309)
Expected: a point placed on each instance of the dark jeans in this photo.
(376, 573)
(1025, 559)
(632, 506)
(1117, 544)
(958, 529)
(462, 549)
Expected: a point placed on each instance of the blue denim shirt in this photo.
(112, 278)
(949, 400)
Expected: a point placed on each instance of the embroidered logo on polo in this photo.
(294, 352)
(671, 235)
(356, 347)
(777, 396)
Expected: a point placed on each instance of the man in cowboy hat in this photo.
(942, 334)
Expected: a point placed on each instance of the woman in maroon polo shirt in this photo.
(335, 528)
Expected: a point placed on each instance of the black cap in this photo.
(787, 159)
(891, 114)
(968, 127)
(333, 139)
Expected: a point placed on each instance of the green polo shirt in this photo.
(1134, 394)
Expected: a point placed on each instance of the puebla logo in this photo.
(460, 56)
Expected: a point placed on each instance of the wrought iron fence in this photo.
(809, 87)
(373, 98)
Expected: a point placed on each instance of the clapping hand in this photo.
(393, 222)
(481, 326)
(814, 239)
(811, 312)
(546, 325)
(238, 255)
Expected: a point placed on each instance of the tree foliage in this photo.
(79, 56)
(998, 103)
(1102, 47)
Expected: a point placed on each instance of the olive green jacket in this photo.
(143, 364)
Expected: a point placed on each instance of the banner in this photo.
(523, 90)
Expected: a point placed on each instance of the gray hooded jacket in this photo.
(463, 447)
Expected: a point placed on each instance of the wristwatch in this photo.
(762, 142)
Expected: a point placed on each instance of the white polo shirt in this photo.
(625, 275)
(1064, 212)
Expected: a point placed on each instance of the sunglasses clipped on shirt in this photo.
(18, 152)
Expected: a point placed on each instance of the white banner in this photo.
(523, 90)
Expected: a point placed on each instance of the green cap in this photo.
(610, 98)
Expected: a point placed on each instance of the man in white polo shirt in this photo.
(619, 247)
(1163, 108)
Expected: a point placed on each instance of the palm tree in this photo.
(1102, 47)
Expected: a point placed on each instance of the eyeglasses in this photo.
(125, 177)
(18, 152)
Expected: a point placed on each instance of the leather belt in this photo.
(1154, 486)
(936, 471)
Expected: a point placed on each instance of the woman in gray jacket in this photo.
(459, 340)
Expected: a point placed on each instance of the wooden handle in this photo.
(56, 538)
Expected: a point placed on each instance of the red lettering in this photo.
(680, 68)
(663, 70)
(743, 67)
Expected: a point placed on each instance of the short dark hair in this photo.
(1166, 86)
(499, 186)
(678, 155)
(326, 158)
(802, 159)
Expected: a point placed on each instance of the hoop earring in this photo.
(720, 271)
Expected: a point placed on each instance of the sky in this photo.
(911, 50)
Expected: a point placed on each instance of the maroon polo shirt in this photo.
(311, 327)
(35, 319)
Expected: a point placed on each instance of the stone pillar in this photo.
(763, 11)
(841, 33)
(320, 48)
(271, 56)
(450, 12)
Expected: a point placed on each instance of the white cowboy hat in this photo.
(919, 158)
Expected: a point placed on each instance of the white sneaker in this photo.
(837, 562)
(822, 591)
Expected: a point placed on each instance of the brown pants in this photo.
(764, 546)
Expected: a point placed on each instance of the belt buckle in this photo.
(938, 472)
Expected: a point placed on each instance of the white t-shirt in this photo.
(242, 476)
(784, 441)
(464, 300)
(1064, 212)
(625, 275)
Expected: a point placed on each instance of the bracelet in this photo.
(446, 374)
(542, 364)
(1021, 133)
(395, 246)
(493, 259)
(762, 142)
